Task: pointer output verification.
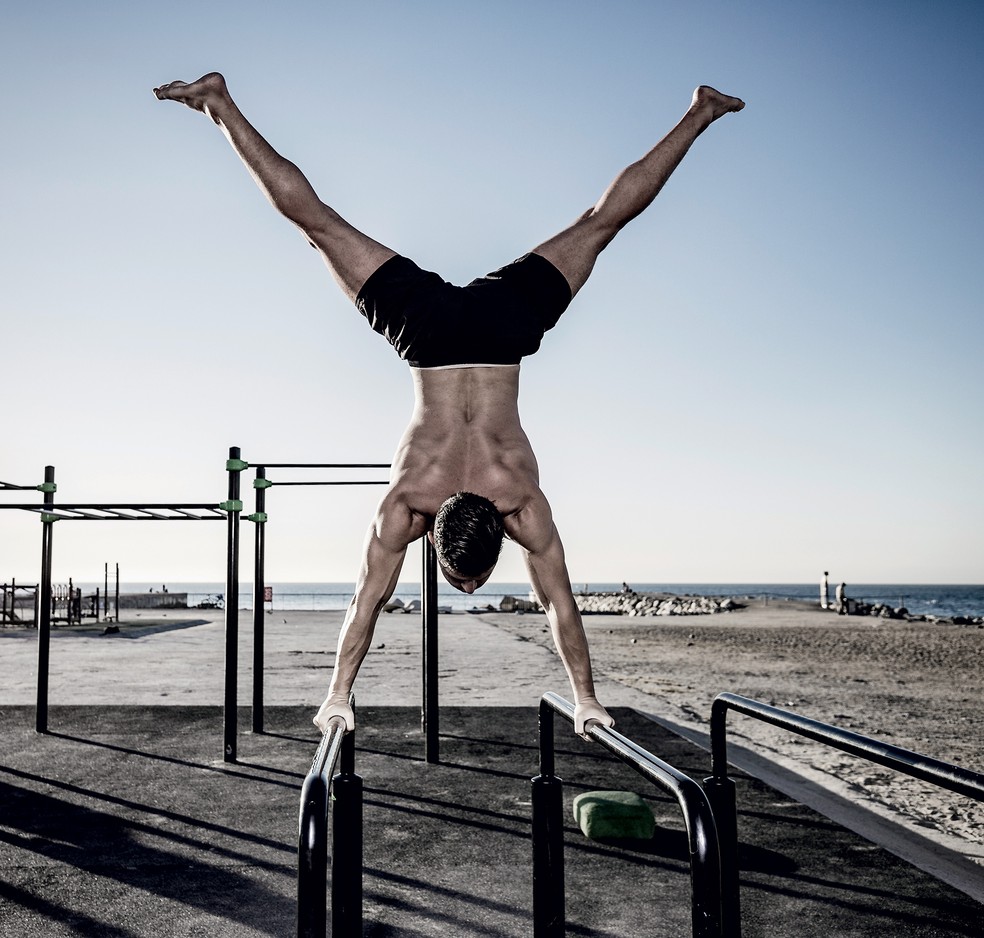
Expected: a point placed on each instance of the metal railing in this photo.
(343, 792)
(549, 916)
(721, 789)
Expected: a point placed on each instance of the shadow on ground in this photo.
(125, 822)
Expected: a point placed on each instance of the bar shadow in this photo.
(139, 856)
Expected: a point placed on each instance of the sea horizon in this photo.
(937, 599)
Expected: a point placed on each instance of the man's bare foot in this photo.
(712, 104)
(203, 95)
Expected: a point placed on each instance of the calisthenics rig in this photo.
(228, 511)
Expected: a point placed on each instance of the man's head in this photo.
(467, 537)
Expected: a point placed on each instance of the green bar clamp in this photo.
(234, 504)
(262, 483)
(47, 487)
(259, 517)
(236, 465)
(47, 518)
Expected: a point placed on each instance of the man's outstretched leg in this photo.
(350, 255)
(574, 251)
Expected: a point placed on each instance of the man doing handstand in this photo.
(464, 473)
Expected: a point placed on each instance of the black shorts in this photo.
(494, 320)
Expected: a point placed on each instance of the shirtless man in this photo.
(464, 473)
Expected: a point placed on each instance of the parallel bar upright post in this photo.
(346, 846)
(429, 716)
(232, 609)
(549, 912)
(44, 606)
(259, 585)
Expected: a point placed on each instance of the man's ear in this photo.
(430, 537)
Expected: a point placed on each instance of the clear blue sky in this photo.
(775, 371)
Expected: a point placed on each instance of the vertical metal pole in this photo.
(723, 798)
(232, 608)
(312, 865)
(429, 715)
(44, 605)
(259, 584)
(549, 913)
(105, 591)
(116, 596)
(346, 846)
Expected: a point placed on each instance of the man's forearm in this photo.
(353, 645)
(572, 646)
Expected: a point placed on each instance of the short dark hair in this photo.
(468, 533)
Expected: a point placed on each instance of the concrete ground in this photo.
(123, 820)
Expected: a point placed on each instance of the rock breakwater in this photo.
(883, 611)
(653, 604)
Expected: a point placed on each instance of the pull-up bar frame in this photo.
(228, 511)
(260, 484)
(86, 511)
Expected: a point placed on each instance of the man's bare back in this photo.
(465, 434)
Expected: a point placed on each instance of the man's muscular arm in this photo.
(533, 529)
(393, 528)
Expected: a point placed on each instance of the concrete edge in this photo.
(939, 859)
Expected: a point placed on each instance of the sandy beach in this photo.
(912, 684)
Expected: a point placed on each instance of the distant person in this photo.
(464, 473)
(626, 588)
(841, 599)
(824, 591)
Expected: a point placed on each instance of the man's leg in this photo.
(350, 255)
(574, 251)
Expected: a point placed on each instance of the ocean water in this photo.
(934, 599)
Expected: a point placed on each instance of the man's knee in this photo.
(574, 251)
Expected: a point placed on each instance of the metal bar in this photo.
(232, 612)
(952, 777)
(722, 796)
(312, 838)
(547, 796)
(430, 709)
(259, 556)
(322, 465)
(346, 846)
(120, 506)
(705, 858)
(721, 789)
(44, 607)
(116, 513)
(365, 482)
